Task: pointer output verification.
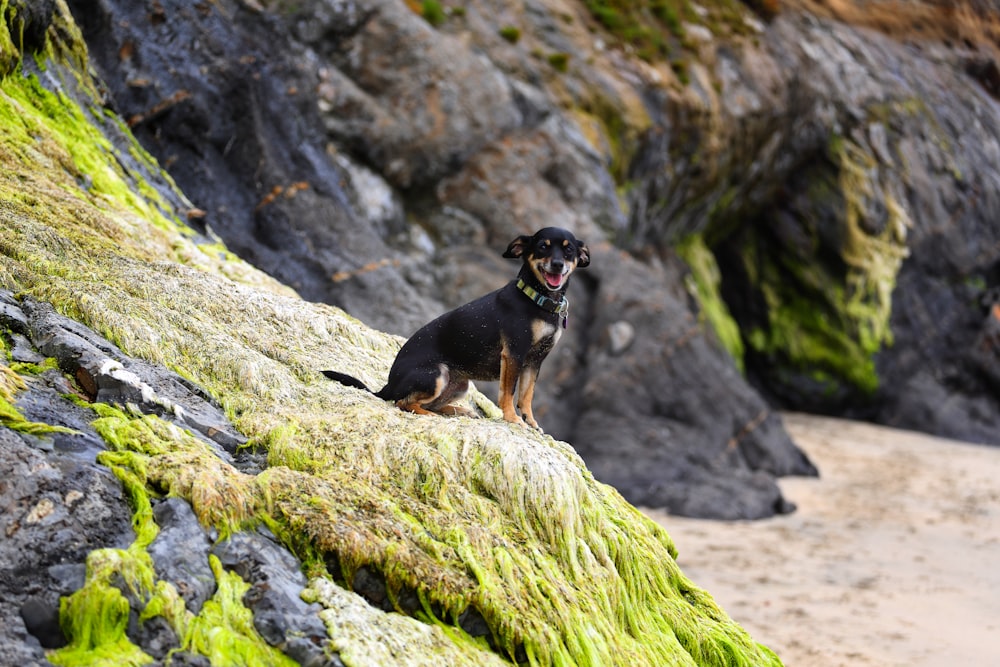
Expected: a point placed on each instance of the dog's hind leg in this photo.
(432, 393)
(413, 390)
(412, 405)
(445, 403)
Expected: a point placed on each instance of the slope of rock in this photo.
(134, 345)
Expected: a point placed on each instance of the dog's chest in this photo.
(544, 335)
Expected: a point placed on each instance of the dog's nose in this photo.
(556, 265)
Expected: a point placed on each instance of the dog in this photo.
(504, 335)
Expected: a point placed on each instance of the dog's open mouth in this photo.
(554, 280)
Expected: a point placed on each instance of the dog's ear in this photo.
(517, 247)
(584, 252)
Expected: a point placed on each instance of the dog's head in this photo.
(552, 254)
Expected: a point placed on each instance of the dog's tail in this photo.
(348, 380)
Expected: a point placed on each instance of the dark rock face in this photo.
(876, 259)
(56, 509)
(108, 375)
(57, 506)
(649, 419)
(316, 135)
(180, 552)
(225, 101)
(32, 19)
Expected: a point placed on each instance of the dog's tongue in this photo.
(553, 279)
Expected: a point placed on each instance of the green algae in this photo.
(807, 326)
(455, 548)
(645, 26)
(63, 164)
(224, 630)
(433, 12)
(654, 29)
(10, 55)
(365, 636)
(619, 127)
(873, 259)
(464, 514)
(30, 111)
(707, 279)
(831, 320)
(29, 368)
(95, 618)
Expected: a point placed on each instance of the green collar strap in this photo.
(546, 303)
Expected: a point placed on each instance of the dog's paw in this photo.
(458, 411)
(533, 424)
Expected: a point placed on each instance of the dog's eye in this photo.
(543, 247)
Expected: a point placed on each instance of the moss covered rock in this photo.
(461, 518)
(467, 140)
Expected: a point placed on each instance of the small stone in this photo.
(620, 336)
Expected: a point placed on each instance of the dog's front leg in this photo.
(525, 394)
(509, 370)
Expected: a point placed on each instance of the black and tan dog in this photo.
(504, 335)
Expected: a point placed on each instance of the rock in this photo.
(189, 659)
(985, 353)
(180, 552)
(12, 317)
(637, 436)
(857, 286)
(620, 336)
(31, 20)
(226, 120)
(280, 615)
(55, 510)
(406, 96)
(41, 619)
(23, 351)
(463, 513)
(155, 635)
(60, 504)
(110, 376)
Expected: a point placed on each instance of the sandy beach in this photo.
(892, 557)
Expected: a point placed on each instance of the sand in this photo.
(892, 557)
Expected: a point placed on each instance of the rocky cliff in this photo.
(793, 202)
(181, 486)
(796, 202)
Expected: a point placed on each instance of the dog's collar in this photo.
(544, 302)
